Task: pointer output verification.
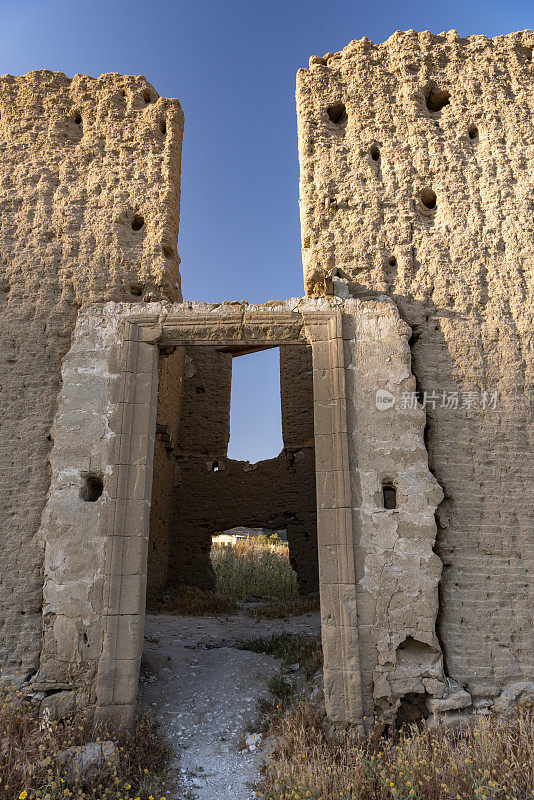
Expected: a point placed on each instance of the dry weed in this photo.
(491, 760)
(308, 604)
(31, 767)
(191, 600)
(254, 568)
(291, 647)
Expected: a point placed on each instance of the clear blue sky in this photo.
(232, 65)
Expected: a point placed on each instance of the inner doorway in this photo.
(212, 493)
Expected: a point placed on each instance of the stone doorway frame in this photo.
(144, 335)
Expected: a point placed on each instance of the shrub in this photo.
(194, 601)
(32, 768)
(252, 568)
(291, 647)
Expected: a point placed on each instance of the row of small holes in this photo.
(375, 152)
(337, 114)
(145, 94)
(146, 98)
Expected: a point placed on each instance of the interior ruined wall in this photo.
(275, 493)
(170, 381)
(82, 160)
(458, 274)
(203, 436)
(296, 392)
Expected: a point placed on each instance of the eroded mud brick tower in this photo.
(406, 380)
(416, 182)
(89, 199)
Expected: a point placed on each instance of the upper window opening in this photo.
(255, 408)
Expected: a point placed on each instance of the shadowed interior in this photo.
(198, 491)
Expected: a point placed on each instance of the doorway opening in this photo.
(199, 492)
(232, 562)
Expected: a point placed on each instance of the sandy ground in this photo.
(204, 692)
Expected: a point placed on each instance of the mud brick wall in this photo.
(417, 157)
(296, 391)
(89, 210)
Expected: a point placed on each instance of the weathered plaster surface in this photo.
(397, 570)
(82, 160)
(460, 274)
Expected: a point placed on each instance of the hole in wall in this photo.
(215, 466)
(337, 113)
(428, 198)
(163, 126)
(375, 152)
(77, 118)
(473, 131)
(412, 709)
(392, 261)
(436, 99)
(145, 94)
(389, 495)
(414, 648)
(92, 487)
(137, 222)
(136, 289)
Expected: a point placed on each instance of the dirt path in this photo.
(205, 693)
